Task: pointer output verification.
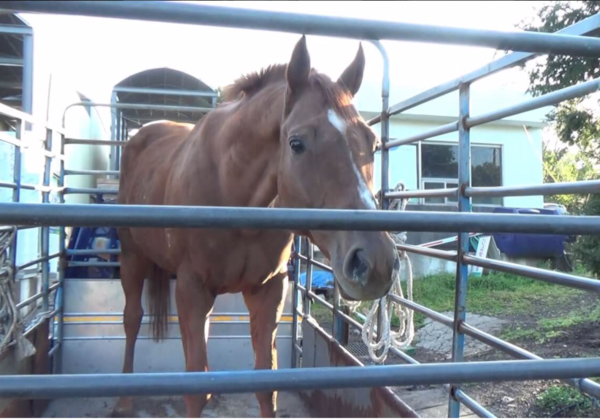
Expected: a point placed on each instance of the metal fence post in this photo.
(462, 269)
(309, 272)
(385, 154)
(297, 263)
(45, 231)
(62, 264)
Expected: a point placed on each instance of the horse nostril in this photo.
(357, 267)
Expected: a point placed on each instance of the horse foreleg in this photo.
(194, 305)
(133, 272)
(265, 305)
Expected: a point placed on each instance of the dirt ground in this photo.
(520, 399)
(220, 406)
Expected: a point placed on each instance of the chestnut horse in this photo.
(288, 137)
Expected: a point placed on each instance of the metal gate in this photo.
(320, 377)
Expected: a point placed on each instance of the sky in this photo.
(93, 54)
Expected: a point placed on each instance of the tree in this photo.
(575, 121)
(565, 166)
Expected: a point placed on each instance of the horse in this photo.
(284, 137)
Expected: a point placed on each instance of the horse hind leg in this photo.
(265, 306)
(133, 272)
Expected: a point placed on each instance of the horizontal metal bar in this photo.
(163, 384)
(143, 107)
(577, 187)
(428, 252)
(30, 187)
(315, 263)
(589, 387)
(6, 184)
(156, 91)
(15, 29)
(583, 27)
(88, 172)
(440, 192)
(11, 61)
(92, 191)
(553, 98)
(555, 277)
(23, 116)
(38, 260)
(434, 132)
(473, 405)
(93, 142)
(436, 316)
(146, 337)
(35, 297)
(269, 218)
(93, 251)
(4, 137)
(93, 264)
(120, 314)
(315, 25)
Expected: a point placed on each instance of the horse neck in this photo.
(247, 148)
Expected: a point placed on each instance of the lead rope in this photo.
(406, 331)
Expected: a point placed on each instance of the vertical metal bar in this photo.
(27, 92)
(384, 137)
(16, 195)
(309, 274)
(45, 231)
(58, 332)
(297, 263)
(113, 135)
(340, 327)
(462, 269)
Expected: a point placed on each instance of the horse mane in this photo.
(250, 84)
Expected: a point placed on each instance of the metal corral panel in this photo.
(320, 350)
(94, 339)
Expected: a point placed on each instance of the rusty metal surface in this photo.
(321, 350)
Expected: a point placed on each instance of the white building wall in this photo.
(521, 156)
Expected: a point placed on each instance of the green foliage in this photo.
(547, 329)
(565, 166)
(575, 124)
(562, 399)
(587, 248)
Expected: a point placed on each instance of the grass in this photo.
(549, 328)
(496, 294)
(564, 401)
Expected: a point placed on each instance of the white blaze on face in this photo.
(336, 121)
(363, 189)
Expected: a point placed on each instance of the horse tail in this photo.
(159, 291)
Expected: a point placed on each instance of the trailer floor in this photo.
(232, 405)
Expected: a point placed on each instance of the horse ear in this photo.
(351, 78)
(299, 67)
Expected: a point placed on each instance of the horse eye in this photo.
(296, 145)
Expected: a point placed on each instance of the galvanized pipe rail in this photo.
(288, 219)
(315, 25)
(538, 43)
(155, 384)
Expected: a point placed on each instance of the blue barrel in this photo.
(526, 245)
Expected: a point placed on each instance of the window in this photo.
(440, 170)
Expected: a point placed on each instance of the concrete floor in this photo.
(232, 405)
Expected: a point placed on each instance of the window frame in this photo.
(422, 180)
